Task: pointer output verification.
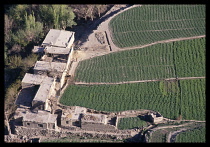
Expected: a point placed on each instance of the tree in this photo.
(8, 23)
(31, 31)
(89, 11)
(17, 14)
(33, 28)
(101, 9)
(57, 16)
(15, 61)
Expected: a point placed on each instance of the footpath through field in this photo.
(162, 41)
(103, 83)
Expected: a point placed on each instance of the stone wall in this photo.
(65, 122)
(44, 133)
(38, 104)
(96, 126)
(65, 73)
(34, 125)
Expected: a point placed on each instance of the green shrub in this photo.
(14, 61)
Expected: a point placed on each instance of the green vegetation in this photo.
(57, 16)
(141, 96)
(192, 132)
(160, 136)
(32, 31)
(189, 58)
(193, 99)
(130, 123)
(122, 97)
(151, 23)
(182, 59)
(197, 135)
(167, 87)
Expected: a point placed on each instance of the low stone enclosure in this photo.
(75, 120)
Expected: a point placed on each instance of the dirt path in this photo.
(172, 135)
(157, 30)
(163, 41)
(103, 83)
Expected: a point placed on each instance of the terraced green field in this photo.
(189, 101)
(182, 59)
(130, 123)
(193, 99)
(138, 26)
(192, 136)
(151, 23)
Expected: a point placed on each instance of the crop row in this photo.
(182, 59)
(130, 123)
(192, 136)
(151, 23)
(141, 96)
(193, 99)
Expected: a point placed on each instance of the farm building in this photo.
(89, 121)
(96, 122)
(36, 89)
(59, 38)
(71, 118)
(41, 120)
(57, 50)
(54, 54)
(155, 118)
(43, 67)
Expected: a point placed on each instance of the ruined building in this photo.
(78, 116)
(155, 118)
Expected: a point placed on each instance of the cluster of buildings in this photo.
(38, 97)
(37, 101)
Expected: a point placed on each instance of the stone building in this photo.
(79, 117)
(72, 117)
(36, 89)
(155, 118)
(49, 68)
(96, 122)
(41, 120)
(59, 38)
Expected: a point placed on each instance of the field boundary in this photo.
(162, 41)
(159, 30)
(141, 81)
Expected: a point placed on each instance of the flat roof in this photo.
(59, 38)
(37, 79)
(41, 116)
(43, 65)
(42, 93)
(57, 50)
